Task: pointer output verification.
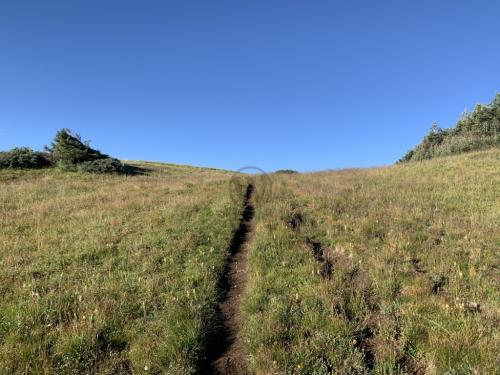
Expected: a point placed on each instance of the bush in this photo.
(286, 171)
(72, 154)
(477, 130)
(407, 157)
(108, 165)
(69, 149)
(23, 158)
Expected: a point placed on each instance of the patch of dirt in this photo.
(364, 344)
(225, 348)
(411, 366)
(317, 249)
(329, 259)
(295, 221)
(438, 283)
(356, 281)
(417, 265)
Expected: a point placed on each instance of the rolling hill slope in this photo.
(386, 270)
(110, 273)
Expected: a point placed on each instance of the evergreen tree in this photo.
(68, 148)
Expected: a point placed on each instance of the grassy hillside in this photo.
(386, 271)
(110, 274)
(476, 130)
(379, 271)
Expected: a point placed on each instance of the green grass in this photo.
(118, 274)
(110, 274)
(391, 234)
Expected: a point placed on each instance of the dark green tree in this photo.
(68, 148)
(23, 158)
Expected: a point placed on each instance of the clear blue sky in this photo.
(306, 85)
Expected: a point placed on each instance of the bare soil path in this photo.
(225, 348)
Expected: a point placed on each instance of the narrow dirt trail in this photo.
(225, 349)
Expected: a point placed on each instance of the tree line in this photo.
(476, 130)
(67, 152)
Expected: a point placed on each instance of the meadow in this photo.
(379, 271)
(389, 270)
(110, 274)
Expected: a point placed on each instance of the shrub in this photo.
(474, 131)
(72, 154)
(68, 149)
(407, 157)
(23, 157)
(286, 171)
(108, 165)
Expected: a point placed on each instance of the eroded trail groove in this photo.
(225, 348)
